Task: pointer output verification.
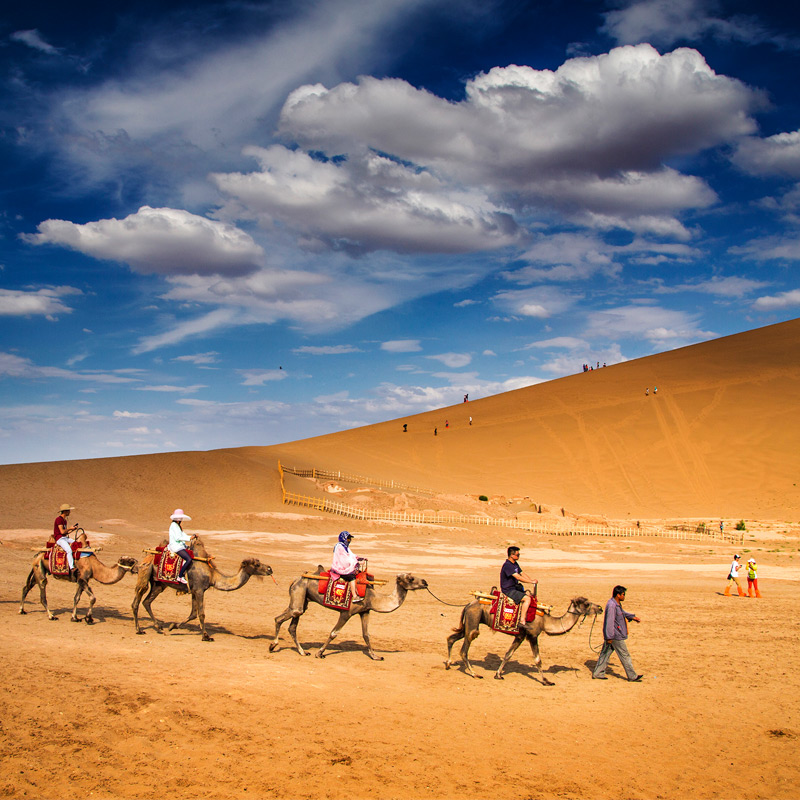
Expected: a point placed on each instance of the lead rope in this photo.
(594, 619)
(460, 605)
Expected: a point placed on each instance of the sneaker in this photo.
(636, 679)
(599, 678)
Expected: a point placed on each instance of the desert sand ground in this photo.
(101, 712)
(97, 711)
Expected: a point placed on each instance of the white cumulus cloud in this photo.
(166, 241)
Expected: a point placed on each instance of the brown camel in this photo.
(201, 576)
(305, 589)
(474, 614)
(89, 567)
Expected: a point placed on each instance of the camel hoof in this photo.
(318, 655)
(272, 647)
(76, 619)
(22, 611)
(207, 638)
(447, 665)
(172, 626)
(52, 619)
(90, 620)
(499, 678)
(548, 683)
(140, 633)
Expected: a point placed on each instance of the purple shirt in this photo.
(615, 625)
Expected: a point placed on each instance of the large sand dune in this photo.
(720, 439)
(103, 713)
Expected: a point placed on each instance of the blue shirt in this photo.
(615, 621)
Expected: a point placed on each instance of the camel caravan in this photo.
(183, 564)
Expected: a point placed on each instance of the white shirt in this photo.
(735, 567)
(178, 538)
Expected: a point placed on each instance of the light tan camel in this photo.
(475, 614)
(89, 567)
(305, 589)
(201, 576)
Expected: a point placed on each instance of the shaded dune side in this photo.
(721, 438)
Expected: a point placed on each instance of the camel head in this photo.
(408, 582)
(129, 563)
(582, 606)
(252, 566)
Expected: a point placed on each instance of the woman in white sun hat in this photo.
(179, 540)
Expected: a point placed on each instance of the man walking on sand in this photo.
(615, 632)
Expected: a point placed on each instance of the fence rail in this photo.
(683, 533)
(329, 475)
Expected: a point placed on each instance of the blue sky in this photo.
(245, 223)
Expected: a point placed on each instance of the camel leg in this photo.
(456, 636)
(293, 632)
(89, 619)
(343, 617)
(29, 584)
(537, 661)
(40, 576)
(188, 619)
(155, 591)
(365, 634)
(201, 616)
(78, 593)
(294, 615)
(510, 652)
(468, 640)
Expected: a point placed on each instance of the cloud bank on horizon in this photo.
(249, 224)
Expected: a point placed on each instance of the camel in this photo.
(89, 567)
(201, 576)
(305, 589)
(475, 613)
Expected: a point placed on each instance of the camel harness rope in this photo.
(440, 600)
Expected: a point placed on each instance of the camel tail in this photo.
(460, 627)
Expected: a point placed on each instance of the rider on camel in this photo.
(345, 563)
(511, 579)
(179, 541)
(60, 531)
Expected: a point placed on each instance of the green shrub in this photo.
(740, 526)
(484, 498)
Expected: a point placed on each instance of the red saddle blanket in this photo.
(167, 566)
(337, 594)
(505, 614)
(57, 562)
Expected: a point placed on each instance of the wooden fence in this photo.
(567, 528)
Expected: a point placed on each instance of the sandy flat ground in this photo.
(97, 711)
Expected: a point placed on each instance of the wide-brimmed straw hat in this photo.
(65, 507)
(179, 516)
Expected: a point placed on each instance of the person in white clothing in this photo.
(179, 541)
(733, 577)
(345, 563)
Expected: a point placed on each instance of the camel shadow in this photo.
(491, 662)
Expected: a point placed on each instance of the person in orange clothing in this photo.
(752, 577)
